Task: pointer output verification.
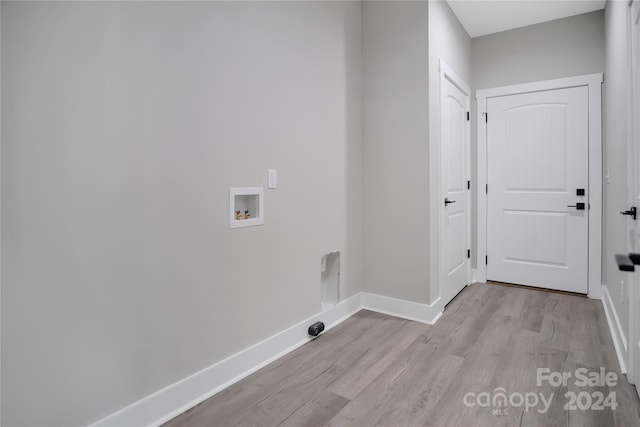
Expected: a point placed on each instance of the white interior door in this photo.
(538, 174)
(634, 196)
(455, 203)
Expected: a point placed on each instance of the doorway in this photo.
(539, 154)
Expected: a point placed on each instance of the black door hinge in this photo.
(468, 116)
(468, 253)
(468, 185)
(486, 188)
(486, 117)
(486, 260)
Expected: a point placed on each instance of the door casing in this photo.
(594, 83)
(633, 192)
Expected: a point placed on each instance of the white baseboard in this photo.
(176, 398)
(474, 276)
(410, 310)
(615, 328)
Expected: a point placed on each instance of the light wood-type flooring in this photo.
(378, 370)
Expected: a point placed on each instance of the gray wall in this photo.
(395, 152)
(125, 125)
(449, 41)
(562, 48)
(565, 47)
(616, 90)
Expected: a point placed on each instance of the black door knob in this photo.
(448, 202)
(579, 206)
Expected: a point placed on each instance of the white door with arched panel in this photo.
(455, 185)
(538, 189)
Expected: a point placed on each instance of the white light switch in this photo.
(273, 178)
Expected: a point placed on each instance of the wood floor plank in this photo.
(551, 413)
(423, 393)
(279, 406)
(378, 370)
(512, 303)
(372, 401)
(399, 386)
(361, 372)
(316, 412)
(533, 310)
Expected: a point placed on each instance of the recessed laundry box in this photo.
(246, 206)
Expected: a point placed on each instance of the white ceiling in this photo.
(482, 17)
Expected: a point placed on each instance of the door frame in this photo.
(594, 83)
(633, 190)
(446, 73)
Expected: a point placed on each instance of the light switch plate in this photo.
(273, 178)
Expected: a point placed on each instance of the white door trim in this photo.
(633, 189)
(594, 83)
(447, 73)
